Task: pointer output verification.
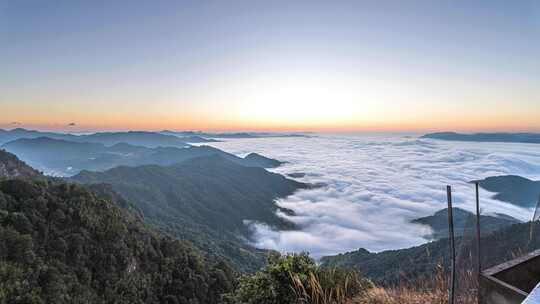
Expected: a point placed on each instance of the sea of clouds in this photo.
(376, 184)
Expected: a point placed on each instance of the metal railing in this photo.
(514, 265)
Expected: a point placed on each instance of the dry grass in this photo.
(328, 287)
(432, 290)
(401, 296)
(331, 288)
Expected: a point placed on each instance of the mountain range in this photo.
(533, 138)
(231, 135)
(66, 158)
(196, 193)
(65, 243)
(165, 138)
(140, 138)
(206, 200)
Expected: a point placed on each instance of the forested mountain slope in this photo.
(60, 243)
(12, 167)
(205, 200)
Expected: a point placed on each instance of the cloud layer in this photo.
(376, 184)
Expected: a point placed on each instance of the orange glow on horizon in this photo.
(481, 125)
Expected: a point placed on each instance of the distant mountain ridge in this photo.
(257, 160)
(14, 134)
(232, 134)
(197, 139)
(464, 223)
(138, 138)
(533, 138)
(165, 138)
(141, 138)
(63, 157)
(513, 189)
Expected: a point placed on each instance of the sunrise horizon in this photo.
(76, 128)
(304, 66)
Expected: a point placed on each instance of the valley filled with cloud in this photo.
(374, 185)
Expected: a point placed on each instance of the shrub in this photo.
(296, 279)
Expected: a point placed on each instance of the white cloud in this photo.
(377, 184)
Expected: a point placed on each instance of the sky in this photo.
(270, 65)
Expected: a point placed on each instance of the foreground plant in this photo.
(297, 279)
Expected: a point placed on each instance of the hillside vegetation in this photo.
(297, 279)
(205, 200)
(63, 244)
(421, 262)
(12, 167)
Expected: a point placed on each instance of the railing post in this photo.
(478, 255)
(452, 246)
(479, 266)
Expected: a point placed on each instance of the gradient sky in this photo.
(270, 65)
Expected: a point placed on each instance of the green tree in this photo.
(61, 243)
